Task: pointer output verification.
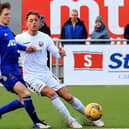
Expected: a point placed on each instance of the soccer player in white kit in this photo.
(37, 74)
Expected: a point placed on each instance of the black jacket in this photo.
(45, 29)
(126, 32)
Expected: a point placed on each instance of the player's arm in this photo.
(58, 53)
(62, 52)
(28, 49)
(22, 47)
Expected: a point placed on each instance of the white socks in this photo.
(77, 104)
(58, 104)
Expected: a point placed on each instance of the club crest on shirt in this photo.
(41, 43)
(11, 76)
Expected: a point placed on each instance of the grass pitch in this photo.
(114, 101)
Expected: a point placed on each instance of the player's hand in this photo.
(62, 52)
(31, 48)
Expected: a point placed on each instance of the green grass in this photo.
(114, 101)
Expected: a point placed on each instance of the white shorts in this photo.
(37, 82)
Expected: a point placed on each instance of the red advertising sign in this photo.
(56, 12)
(88, 60)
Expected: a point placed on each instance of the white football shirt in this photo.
(36, 63)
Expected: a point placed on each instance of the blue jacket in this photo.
(78, 32)
(100, 33)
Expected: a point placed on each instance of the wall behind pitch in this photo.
(56, 12)
(96, 65)
(16, 11)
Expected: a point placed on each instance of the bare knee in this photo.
(21, 90)
(48, 91)
(26, 93)
(68, 98)
(64, 93)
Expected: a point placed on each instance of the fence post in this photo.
(57, 63)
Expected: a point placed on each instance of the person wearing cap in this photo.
(100, 32)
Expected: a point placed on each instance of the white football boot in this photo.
(98, 123)
(41, 125)
(75, 124)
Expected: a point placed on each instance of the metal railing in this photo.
(58, 42)
(88, 41)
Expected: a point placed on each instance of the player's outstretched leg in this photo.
(77, 105)
(13, 105)
(23, 93)
(16, 104)
(59, 105)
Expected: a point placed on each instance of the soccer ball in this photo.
(93, 111)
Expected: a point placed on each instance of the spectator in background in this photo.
(126, 33)
(74, 28)
(44, 28)
(100, 32)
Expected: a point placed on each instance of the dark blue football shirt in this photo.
(8, 50)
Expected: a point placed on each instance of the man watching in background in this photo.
(74, 28)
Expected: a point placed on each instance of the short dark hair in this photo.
(4, 5)
(32, 13)
(75, 10)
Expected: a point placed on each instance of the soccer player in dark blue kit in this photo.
(11, 76)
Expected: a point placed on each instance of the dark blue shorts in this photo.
(9, 80)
